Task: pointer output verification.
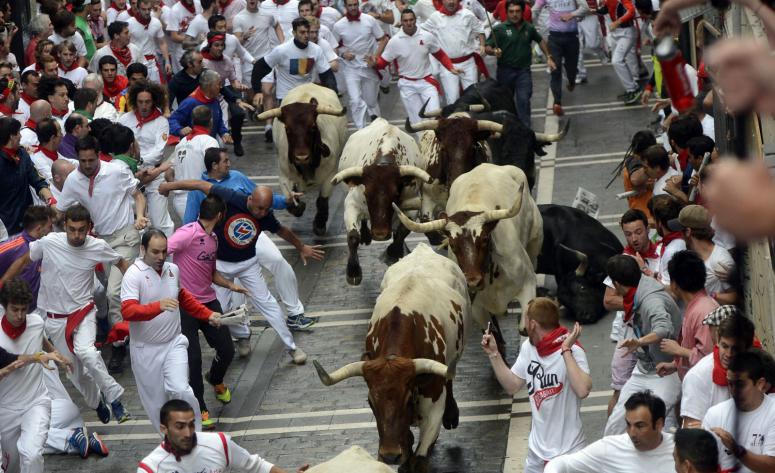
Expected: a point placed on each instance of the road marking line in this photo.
(264, 178)
(581, 163)
(588, 156)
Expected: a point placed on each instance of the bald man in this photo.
(60, 169)
(246, 216)
(39, 110)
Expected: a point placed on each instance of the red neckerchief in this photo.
(141, 20)
(31, 124)
(10, 330)
(27, 99)
(123, 55)
(353, 18)
(667, 239)
(52, 155)
(629, 304)
(200, 96)
(320, 11)
(91, 179)
(142, 121)
(719, 372)
(73, 66)
(650, 253)
(206, 54)
(105, 157)
(116, 88)
(191, 8)
(444, 11)
(6, 110)
(13, 154)
(198, 130)
(55, 112)
(552, 341)
(115, 7)
(169, 448)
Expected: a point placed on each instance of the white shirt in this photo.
(214, 452)
(456, 34)
(151, 137)
(556, 425)
(358, 37)
(106, 110)
(76, 76)
(659, 185)
(231, 10)
(67, 272)
(111, 204)
(43, 164)
(293, 66)
(134, 52)
(198, 27)
(76, 39)
(617, 454)
(718, 268)
(146, 38)
(721, 237)
(672, 248)
(24, 386)
(22, 111)
(698, 391)
(178, 20)
(329, 16)
(189, 157)
(412, 53)
(754, 430)
(708, 127)
(283, 14)
(143, 284)
(261, 41)
(29, 137)
(233, 50)
(114, 15)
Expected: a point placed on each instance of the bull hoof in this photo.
(297, 210)
(419, 464)
(354, 275)
(451, 416)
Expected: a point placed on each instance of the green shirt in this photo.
(83, 27)
(515, 42)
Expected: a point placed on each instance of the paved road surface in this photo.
(284, 413)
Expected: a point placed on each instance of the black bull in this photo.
(571, 237)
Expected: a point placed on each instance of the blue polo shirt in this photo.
(239, 230)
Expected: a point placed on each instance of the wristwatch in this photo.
(739, 451)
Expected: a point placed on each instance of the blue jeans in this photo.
(521, 82)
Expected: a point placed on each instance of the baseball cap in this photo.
(720, 313)
(691, 216)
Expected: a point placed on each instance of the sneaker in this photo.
(633, 97)
(103, 412)
(119, 413)
(96, 445)
(557, 110)
(299, 322)
(79, 441)
(238, 150)
(581, 80)
(207, 422)
(298, 355)
(116, 362)
(222, 393)
(243, 347)
(268, 136)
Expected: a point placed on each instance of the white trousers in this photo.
(668, 389)
(534, 463)
(23, 435)
(362, 88)
(623, 57)
(179, 200)
(89, 374)
(591, 40)
(414, 93)
(161, 374)
(126, 242)
(154, 75)
(452, 84)
(65, 416)
(158, 211)
(250, 277)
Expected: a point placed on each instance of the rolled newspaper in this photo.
(627, 194)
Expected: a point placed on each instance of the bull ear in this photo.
(353, 181)
(313, 101)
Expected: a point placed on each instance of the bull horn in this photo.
(272, 113)
(355, 171)
(347, 371)
(329, 110)
(487, 125)
(425, 227)
(431, 114)
(477, 107)
(428, 366)
(581, 270)
(414, 171)
(500, 214)
(423, 125)
(552, 137)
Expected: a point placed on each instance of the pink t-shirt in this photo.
(694, 335)
(194, 250)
